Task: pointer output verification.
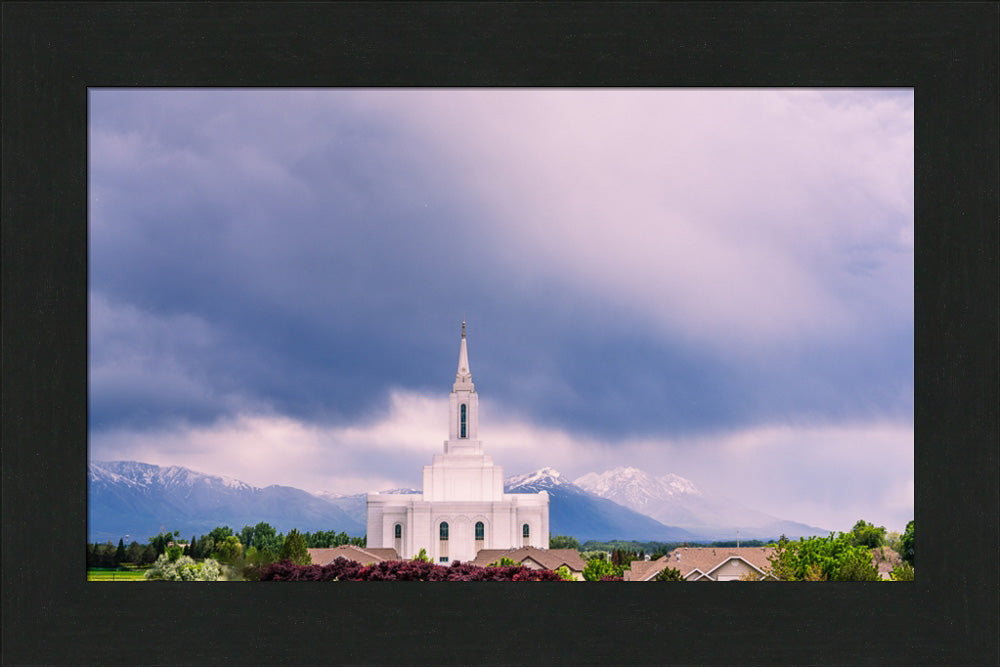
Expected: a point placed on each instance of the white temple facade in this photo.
(462, 508)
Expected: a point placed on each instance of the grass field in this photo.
(94, 574)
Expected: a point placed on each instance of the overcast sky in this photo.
(711, 283)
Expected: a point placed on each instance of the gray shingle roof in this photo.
(704, 559)
(350, 552)
(550, 559)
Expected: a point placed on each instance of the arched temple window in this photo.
(399, 531)
(525, 531)
(480, 531)
(444, 530)
(462, 420)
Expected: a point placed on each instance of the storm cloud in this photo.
(277, 279)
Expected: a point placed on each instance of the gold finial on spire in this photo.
(463, 328)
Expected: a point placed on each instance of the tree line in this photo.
(259, 545)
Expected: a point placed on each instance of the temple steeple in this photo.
(463, 378)
(463, 433)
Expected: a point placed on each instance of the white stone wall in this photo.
(421, 521)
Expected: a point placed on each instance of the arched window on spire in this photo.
(525, 533)
(480, 531)
(462, 421)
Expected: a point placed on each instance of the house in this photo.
(462, 508)
(707, 564)
(536, 559)
(350, 552)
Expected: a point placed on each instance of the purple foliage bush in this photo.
(611, 577)
(401, 570)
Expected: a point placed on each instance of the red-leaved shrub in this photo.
(401, 570)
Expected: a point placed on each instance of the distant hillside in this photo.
(576, 512)
(140, 500)
(678, 502)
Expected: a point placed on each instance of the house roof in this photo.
(550, 559)
(350, 552)
(702, 559)
(640, 570)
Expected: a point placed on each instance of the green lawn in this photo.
(98, 574)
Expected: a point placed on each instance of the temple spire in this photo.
(464, 376)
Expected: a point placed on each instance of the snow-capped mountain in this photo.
(677, 501)
(533, 482)
(576, 512)
(636, 489)
(141, 500)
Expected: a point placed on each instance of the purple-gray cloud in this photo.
(672, 266)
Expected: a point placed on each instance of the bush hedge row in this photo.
(401, 570)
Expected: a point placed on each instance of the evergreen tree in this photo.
(669, 574)
(294, 549)
(120, 552)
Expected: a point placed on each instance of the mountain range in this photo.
(141, 500)
(677, 501)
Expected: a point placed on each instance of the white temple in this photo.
(462, 508)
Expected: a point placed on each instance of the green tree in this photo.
(246, 537)
(133, 554)
(219, 533)
(120, 552)
(597, 568)
(834, 558)
(161, 541)
(563, 542)
(892, 540)
(902, 572)
(230, 551)
(906, 544)
(422, 556)
(865, 534)
(504, 562)
(669, 574)
(148, 555)
(294, 549)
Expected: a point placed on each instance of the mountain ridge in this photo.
(141, 499)
(677, 501)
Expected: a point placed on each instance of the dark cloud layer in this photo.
(327, 252)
